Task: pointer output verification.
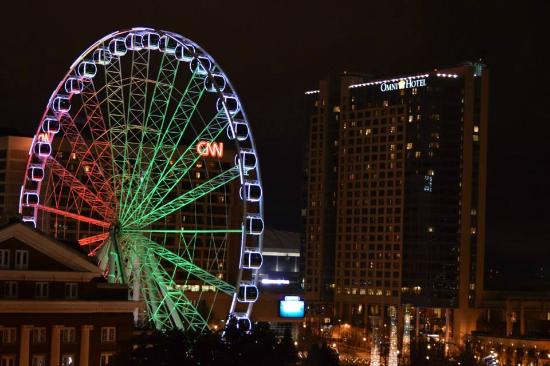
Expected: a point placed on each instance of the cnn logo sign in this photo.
(210, 149)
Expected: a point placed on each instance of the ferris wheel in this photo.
(145, 157)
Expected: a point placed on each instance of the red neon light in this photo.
(74, 216)
(93, 239)
(210, 149)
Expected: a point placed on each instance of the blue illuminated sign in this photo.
(291, 307)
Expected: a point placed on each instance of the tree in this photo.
(321, 356)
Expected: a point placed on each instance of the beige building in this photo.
(14, 152)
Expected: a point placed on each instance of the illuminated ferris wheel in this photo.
(144, 156)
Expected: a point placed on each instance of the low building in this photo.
(55, 306)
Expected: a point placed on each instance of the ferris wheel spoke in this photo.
(159, 212)
(170, 138)
(68, 179)
(117, 118)
(182, 312)
(93, 239)
(74, 216)
(82, 152)
(190, 268)
(95, 121)
(169, 179)
(134, 116)
(153, 121)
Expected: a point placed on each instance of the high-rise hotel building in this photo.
(396, 173)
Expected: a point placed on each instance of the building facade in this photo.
(14, 152)
(55, 306)
(395, 191)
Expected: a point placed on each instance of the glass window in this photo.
(41, 290)
(4, 258)
(108, 334)
(10, 289)
(67, 360)
(9, 335)
(39, 335)
(106, 359)
(21, 259)
(71, 290)
(69, 335)
(7, 360)
(39, 360)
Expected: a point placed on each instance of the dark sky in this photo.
(275, 50)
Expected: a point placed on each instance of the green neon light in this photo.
(183, 231)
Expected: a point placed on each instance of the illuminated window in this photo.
(417, 154)
(411, 118)
(430, 229)
(198, 175)
(409, 145)
(476, 129)
(106, 358)
(67, 360)
(386, 103)
(73, 156)
(431, 172)
(368, 131)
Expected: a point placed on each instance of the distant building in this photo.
(55, 306)
(396, 179)
(14, 152)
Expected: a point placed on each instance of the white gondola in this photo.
(215, 83)
(31, 198)
(229, 102)
(247, 160)
(51, 125)
(251, 191)
(240, 129)
(247, 293)
(252, 259)
(168, 44)
(117, 47)
(184, 52)
(201, 65)
(61, 104)
(29, 220)
(35, 173)
(87, 69)
(254, 225)
(151, 40)
(73, 85)
(102, 56)
(42, 148)
(134, 42)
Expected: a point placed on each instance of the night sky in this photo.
(273, 51)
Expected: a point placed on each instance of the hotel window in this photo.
(67, 360)
(21, 259)
(38, 335)
(4, 258)
(71, 290)
(108, 334)
(68, 335)
(106, 359)
(9, 335)
(41, 290)
(38, 360)
(10, 289)
(7, 360)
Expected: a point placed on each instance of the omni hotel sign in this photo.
(403, 84)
